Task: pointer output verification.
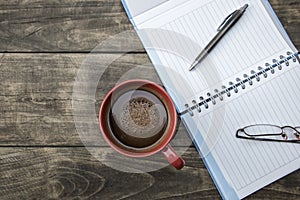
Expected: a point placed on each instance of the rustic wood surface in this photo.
(42, 46)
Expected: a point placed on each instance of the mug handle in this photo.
(172, 157)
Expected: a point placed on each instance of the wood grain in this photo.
(77, 26)
(64, 26)
(72, 173)
(289, 15)
(36, 94)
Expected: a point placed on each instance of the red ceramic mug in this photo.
(138, 119)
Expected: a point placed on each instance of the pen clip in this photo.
(232, 16)
(227, 19)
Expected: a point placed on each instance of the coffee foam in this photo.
(140, 114)
(141, 117)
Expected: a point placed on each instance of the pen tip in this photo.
(192, 66)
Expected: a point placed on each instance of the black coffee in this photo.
(138, 118)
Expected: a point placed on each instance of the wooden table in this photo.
(43, 44)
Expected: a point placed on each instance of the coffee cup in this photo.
(138, 119)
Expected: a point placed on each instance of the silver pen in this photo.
(223, 28)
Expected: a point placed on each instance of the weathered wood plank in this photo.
(72, 173)
(289, 15)
(59, 25)
(36, 93)
(78, 25)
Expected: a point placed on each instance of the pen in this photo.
(223, 28)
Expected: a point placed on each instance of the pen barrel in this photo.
(201, 56)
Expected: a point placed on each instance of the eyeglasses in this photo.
(267, 132)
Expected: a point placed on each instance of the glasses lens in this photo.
(298, 134)
(262, 129)
(290, 133)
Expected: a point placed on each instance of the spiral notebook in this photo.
(251, 77)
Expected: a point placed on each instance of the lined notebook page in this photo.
(252, 41)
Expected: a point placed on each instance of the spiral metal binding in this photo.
(240, 83)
